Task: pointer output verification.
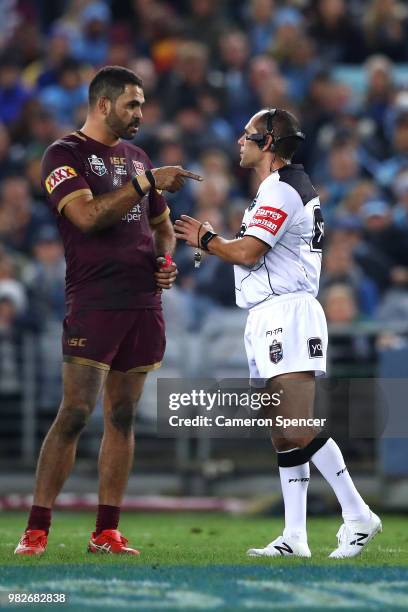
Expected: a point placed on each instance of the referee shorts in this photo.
(286, 334)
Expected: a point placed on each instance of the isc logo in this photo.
(77, 342)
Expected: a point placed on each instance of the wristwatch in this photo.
(206, 238)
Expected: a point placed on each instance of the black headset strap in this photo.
(269, 121)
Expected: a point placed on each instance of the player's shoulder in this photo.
(66, 145)
(137, 153)
(272, 189)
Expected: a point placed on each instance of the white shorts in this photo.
(286, 334)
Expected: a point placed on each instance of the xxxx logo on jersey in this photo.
(268, 218)
(58, 176)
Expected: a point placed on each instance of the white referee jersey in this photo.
(285, 214)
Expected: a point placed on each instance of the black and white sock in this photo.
(294, 483)
(330, 463)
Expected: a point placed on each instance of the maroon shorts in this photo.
(124, 340)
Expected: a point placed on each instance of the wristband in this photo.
(137, 187)
(205, 239)
(150, 177)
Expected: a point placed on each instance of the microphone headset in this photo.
(261, 139)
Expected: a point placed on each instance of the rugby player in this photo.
(277, 261)
(118, 243)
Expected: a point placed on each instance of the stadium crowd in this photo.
(207, 66)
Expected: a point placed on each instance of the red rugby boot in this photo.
(32, 542)
(110, 541)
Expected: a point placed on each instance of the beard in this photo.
(119, 128)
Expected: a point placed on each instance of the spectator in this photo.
(350, 355)
(44, 70)
(349, 208)
(64, 98)
(171, 153)
(339, 268)
(261, 25)
(339, 176)
(92, 44)
(235, 53)
(205, 288)
(386, 28)
(205, 24)
(297, 58)
(380, 91)
(218, 128)
(44, 277)
(340, 305)
(338, 38)
(394, 305)
(13, 93)
(20, 216)
(385, 246)
(400, 191)
(399, 153)
(8, 162)
(189, 79)
(262, 68)
(324, 101)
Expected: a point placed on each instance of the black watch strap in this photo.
(206, 238)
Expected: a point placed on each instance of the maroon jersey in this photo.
(111, 268)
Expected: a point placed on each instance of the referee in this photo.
(277, 261)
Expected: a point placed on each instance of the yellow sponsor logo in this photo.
(118, 161)
(58, 176)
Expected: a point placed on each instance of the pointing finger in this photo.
(186, 173)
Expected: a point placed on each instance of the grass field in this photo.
(198, 562)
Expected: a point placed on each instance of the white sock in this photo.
(294, 483)
(329, 461)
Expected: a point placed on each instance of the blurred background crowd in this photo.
(341, 66)
(207, 66)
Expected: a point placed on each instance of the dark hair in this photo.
(110, 82)
(283, 123)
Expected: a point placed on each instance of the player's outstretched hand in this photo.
(171, 178)
(166, 274)
(191, 230)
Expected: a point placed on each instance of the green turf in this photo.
(197, 539)
(197, 562)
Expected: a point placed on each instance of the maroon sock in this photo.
(107, 518)
(40, 518)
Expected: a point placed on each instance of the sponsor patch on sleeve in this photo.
(268, 218)
(58, 176)
(315, 347)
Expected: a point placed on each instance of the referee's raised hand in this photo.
(172, 178)
(191, 230)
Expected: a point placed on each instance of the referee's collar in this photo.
(291, 167)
